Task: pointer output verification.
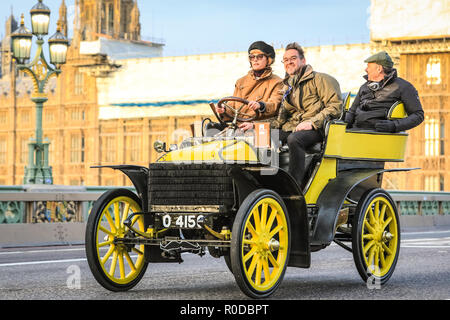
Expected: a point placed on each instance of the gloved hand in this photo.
(349, 118)
(386, 126)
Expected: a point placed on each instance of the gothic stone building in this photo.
(70, 117)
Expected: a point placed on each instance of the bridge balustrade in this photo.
(46, 204)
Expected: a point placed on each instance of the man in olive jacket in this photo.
(310, 99)
(375, 97)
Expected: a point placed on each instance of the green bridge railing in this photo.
(43, 204)
(48, 203)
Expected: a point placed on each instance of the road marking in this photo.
(426, 239)
(429, 246)
(40, 251)
(13, 264)
(426, 232)
(437, 243)
(40, 262)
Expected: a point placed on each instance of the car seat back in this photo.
(397, 111)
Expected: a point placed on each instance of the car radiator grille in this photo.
(190, 184)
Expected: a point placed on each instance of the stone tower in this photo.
(116, 19)
(134, 26)
(6, 55)
(62, 21)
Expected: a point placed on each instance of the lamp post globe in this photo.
(40, 19)
(21, 42)
(58, 45)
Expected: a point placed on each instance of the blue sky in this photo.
(206, 26)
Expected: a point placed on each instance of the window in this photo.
(24, 117)
(111, 19)
(442, 137)
(76, 148)
(78, 83)
(103, 19)
(432, 183)
(434, 137)
(77, 114)
(49, 116)
(108, 149)
(3, 117)
(24, 150)
(133, 148)
(2, 150)
(433, 71)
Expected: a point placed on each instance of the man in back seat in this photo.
(310, 98)
(375, 97)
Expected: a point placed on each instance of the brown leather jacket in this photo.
(266, 89)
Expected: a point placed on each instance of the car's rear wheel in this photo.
(260, 243)
(116, 266)
(376, 236)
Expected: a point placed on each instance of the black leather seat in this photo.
(313, 154)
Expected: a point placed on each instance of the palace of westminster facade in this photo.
(80, 137)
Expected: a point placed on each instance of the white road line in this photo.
(13, 264)
(426, 239)
(40, 251)
(437, 243)
(426, 232)
(40, 262)
(429, 246)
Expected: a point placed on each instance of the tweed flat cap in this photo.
(382, 58)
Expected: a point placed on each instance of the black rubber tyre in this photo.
(228, 262)
(104, 224)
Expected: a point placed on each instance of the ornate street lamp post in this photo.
(38, 170)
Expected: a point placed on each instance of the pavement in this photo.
(41, 234)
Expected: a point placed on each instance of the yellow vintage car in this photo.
(231, 195)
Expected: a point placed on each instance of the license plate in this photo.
(182, 221)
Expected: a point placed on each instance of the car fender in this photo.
(332, 198)
(138, 176)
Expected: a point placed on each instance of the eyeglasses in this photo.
(257, 57)
(291, 59)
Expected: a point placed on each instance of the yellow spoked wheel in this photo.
(260, 243)
(376, 236)
(116, 266)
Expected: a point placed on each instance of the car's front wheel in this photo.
(116, 266)
(260, 243)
